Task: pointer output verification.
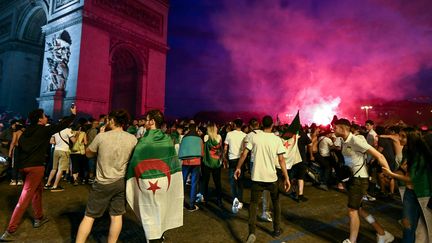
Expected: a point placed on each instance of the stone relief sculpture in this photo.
(58, 60)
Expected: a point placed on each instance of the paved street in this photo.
(321, 219)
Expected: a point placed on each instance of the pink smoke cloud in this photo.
(310, 54)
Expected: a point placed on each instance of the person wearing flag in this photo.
(268, 150)
(113, 147)
(154, 187)
(295, 142)
(191, 152)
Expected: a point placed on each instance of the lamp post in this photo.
(366, 108)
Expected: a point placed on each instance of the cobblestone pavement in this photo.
(321, 219)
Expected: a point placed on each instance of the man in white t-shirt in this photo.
(353, 150)
(232, 151)
(255, 127)
(268, 150)
(61, 158)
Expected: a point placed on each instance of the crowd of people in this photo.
(121, 159)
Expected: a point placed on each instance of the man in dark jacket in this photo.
(31, 156)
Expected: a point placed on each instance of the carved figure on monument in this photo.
(58, 61)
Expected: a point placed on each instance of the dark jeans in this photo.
(216, 173)
(236, 185)
(15, 173)
(256, 192)
(79, 164)
(326, 164)
(411, 212)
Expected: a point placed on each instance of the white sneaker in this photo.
(346, 241)
(266, 217)
(235, 206)
(240, 205)
(13, 183)
(369, 198)
(386, 238)
(20, 183)
(199, 198)
(251, 238)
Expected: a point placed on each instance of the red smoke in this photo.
(323, 56)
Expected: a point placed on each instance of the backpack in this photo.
(78, 146)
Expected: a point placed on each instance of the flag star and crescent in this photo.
(154, 187)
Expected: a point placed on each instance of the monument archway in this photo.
(126, 76)
(22, 54)
(31, 34)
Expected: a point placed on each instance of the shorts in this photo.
(357, 188)
(103, 196)
(61, 160)
(298, 171)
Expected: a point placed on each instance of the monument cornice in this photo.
(134, 11)
(119, 30)
(54, 26)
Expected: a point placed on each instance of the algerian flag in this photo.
(292, 154)
(154, 187)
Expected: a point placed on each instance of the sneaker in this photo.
(302, 198)
(346, 241)
(7, 236)
(277, 233)
(76, 183)
(199, 198)
(369, 198)
(91, 181)
(251, 238)
(39, 222)
(386, 238)
(20, 183)
(235, 206)
(192, 208)
(13, 183)
(266, 217)
(47, 187)
(57, 189)
(240, 205)
(293, 195)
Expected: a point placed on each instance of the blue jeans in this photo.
(194, 170)
(236, 185)
(411, 212)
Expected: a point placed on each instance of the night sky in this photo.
(278, 56)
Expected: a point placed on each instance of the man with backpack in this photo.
(61, 158)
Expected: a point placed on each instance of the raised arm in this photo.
(64, 123)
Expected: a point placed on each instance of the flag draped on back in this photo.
(154, 187)
(212, 153)
(290, 140)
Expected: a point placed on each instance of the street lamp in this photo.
(366, 108)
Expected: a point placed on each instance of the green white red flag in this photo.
(154, 187)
